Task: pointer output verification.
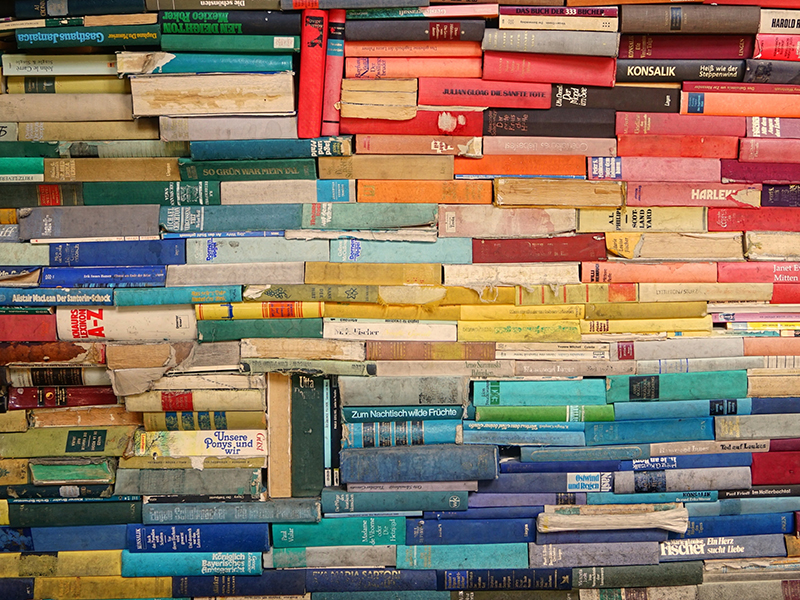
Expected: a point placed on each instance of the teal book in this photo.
(308, 434)
(253, 250)
(451, 251)
(372, 414)
(524, 438)
(241, 217)
(123, 149)
(177, 295)
(400, 433)
(539, 393)
(22, 165)
(702, 385)
(533, 454)
(239, 44)
(649, 432)
(355, 216)
(746, 506)
(347, 531)
(704, 496)
(71, 37)
(247, 170)
(273, 148)
(335, 500)
(165, 193)
(670, 409)
(276, 510)
(220, 331)
(29, 149)
(55, 296)
(182, 564)
(200, 62)
(463, 556)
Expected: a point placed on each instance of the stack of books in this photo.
(449, 301)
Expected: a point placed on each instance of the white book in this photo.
(678, 348)
(389, 330)
(211, 381)
(9, 131)
(708, 447)
(416, 486)
(691, 365)
(59, 64)
(126, 323)
(288, 191)
(706, 292)
(553, 351)
(492, 275)
(756, 427)
(779, 21)
(190, 129)
(435, 368)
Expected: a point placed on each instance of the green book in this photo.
(70, 37)
(545, 413)
(71, 472)
(700, 385)
(247, 170)
(165, 193)
(308, 436)
(341, 531)
(244, 44)
(67, 441)
(220, 331)
(63, 514)
(665, 574)
(29, 149)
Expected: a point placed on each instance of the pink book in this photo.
(624, 272)
(769, 150)
(463, 91)
(646, 168)
(771, 346)
(758, 272)
(734, 171)
(334, 68)
(500, 145)
(641, 123)
(549, 68)
(493, 222)
(561, 11)
(764, 219)
(773, 127)
(735, 195)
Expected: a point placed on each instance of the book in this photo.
(666, 70)
(735, 103)
(458, 556)
(313, 49)
(261, 43)
(549, 68)
(66, 107)
(59, 64)
(191, 564)
(646, 97)
(228, 22)
(591, 38)
(229, 537)
(334, 61)
(475, 92)
(337, 532)
(112, 35)
(685, 46)
(689, 19)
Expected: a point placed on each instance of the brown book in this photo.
(279, 459)
(689, 19)
(65, 107)
(430, 350)
(558, 192)
(61, 352)
(111, 169)
(388, 166)
(142, 356)
(89, 416)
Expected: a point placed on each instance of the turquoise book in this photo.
(452, 251)
(177, 295)
(272, 148)
(539, 393)
(524, 438)
(21, 165)
(55, 296)
(200, 62)
(649, 432)
(746, 506)
(670, 409)
(182, 564)
(205, 251)
(247, 170)
(237, 217)
(463, 556)
(70, 37)
(335, 500)
(220, 331)
(346, 531)
(703, 496)
(701, 385)
(400, 433)
(239, 44)
(371, 414)
(165, 193)
(378, 215)
(29, 149)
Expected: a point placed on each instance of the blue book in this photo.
(399, 433)
(418, 463)
(177, 295)
(505, 579)
(177, 564)
(539, 393)
(273, 148)
(769, 406)
(479, 500)
(701, 385)
(688, 461)
(452, 251)
(91, 277)
(16, 589)
(378, 215)
(57, 539)
(377, 414)
(565, 466)
(739, 546)
(256, 249)
(9, 233)
(366, 580)
(502, 512)
(271, 582)
(671, 409)
(732, 525)
(746, 506)
(339, 501)
(117, 254)
(277, 510)
(534, 454)
(515, 483)
(524, 438)
(649, 432)
(464, 556)
(55, 296)
(599, 537)
(231, 217)
(707, 496)
(336, 190)
(185, 62)
(228, 537)
(467, 531)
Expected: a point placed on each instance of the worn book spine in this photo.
(689, 19)
(339, 501)
(677, 386)
(594, 41)
(475, 92)
(676, 574)
(670, 480)
(191, 563)
(652, 431)
(400, 433)
(548, 578)
(49, 397)
(549, 68)
(685, 46)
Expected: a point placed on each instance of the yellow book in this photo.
(392, 311)
(645, 310)
(14, 471)
(303, 349)
(439, 294)
(646, 325)
(709, 292)
(576, 293)
(95, 563)
(4, 513)
(531, 331)
(8, 216)
(511, 312)
(259, 310)
(558, 192)
(87, 131)
(92, 588)
(374, 273)
(712, 246)
(69, 84)
(657, 218)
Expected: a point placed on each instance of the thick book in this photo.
(469, 531)
(120, 36)
(690, 194)
(640, 576)
(645, 168)
(462, 556)
(649, 432)
(335, 500)
(549, 68)
(145, 63)
(670, 70)
(35, 9)
(136, 564)
(685, 46)
(547, 578)
(620, 97)
(677, 386)
(230, 22)
(561, 122)
(691, 19)
(65, 222)
(272, 581)
(351, 531)
(313, 48)
(414, 30)
(587, 43)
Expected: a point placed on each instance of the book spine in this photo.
(37, 9)
(505, 579)
(369, 580)
(230, 537)
(656, 70)
(647, 432)
(334, 68)
(649, 46)
(336, 501)
(243, 483)
(740, 546)
(447, 532)
(340, 532)
(726, 384)
(290, 510)
(631, 482)
(735, 525)
(281, 582)
(573, 555)
(399, 433)
(549, 68)
(191, 564)
(681, 573)
(22, 398)
(313, 46)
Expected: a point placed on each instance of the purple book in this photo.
(773, 127)
(479, 500)
(780, 195)
(733, 171)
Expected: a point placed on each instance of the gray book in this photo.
(138, 482)
(331, 556)
(236, 274)
(80, 222)
(592, 554)
(403, 391)
(589, 43)
(712, 478)
(740, 546)
(756, 427)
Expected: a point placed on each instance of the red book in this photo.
(691, 146)
(313, 49)
(732, 87)
(785, 293)
(734, 171)
(656, 193)
(427, 122)
(464, 91)
(777, 46)
(645, 45)
(769, 150)
(758, 272)
(641, 123)
(773, 127)
(28, 328)
(763, 219)
(775, 468)
(583, 246)
(334, 68)
(55, 397)
(549, 68)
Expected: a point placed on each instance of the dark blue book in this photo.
(520, 483)
(38, 9)
(366, 580)
(91, 277)
(560, 466)
(118, 254)
(420, 532)
(276, 148)
(505, 579)
(228, 537)
(287, 582)
(599, 537)
(16, 589)
(733, 525)
(505, 512)
(688, 461)
(58, 539)
(770, 406)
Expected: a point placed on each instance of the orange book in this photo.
(514, 164)
(743, 104)
(689, 146)
(8, 216)
(624, 272)
(408, 48)
(393, 68)
(771, 346)
(439, 192)
(367, 143)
